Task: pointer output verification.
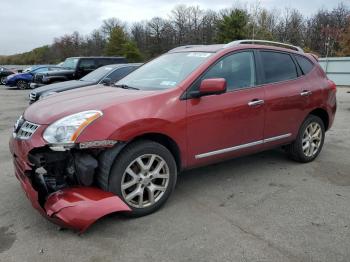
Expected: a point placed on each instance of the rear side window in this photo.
(87, 64)
(277, 67)
(305, 64)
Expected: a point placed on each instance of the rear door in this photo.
(284, 104)
(229, 124)
(85, 66)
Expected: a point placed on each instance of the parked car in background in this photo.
(76, 68)
(23, 80)
(83, 154)
(4, 73)
(105, 75)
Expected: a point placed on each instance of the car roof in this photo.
(240, 44)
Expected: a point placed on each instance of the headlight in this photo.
(66, 130)
(10, 76)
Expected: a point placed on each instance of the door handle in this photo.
(256, 102)
(306, 93)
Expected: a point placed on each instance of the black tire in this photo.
(3, 80)
(22, 84)
(295, 150)
(126, 157)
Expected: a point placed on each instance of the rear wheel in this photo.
(21, 84)
(143, 175)
(309, 141)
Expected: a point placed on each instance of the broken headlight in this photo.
(67, 129)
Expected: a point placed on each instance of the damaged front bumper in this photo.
(75, 207)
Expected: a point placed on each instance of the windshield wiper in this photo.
(126, 87)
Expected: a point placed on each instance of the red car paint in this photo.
(79, 207)
(197, 126)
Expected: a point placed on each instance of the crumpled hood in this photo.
(59, 105)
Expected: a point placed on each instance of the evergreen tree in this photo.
(116, 40)
(232, 26)
(131, 52)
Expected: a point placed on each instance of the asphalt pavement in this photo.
(263, 207)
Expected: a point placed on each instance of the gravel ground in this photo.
(258, 208)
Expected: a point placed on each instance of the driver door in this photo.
(229, 124)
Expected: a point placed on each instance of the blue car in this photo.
(23, 80)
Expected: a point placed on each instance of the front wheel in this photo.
(309, 141)
(3, 80)
(143, 175)
(21, 84)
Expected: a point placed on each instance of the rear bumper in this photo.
(76, 207)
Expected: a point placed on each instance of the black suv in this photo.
(76, 68)
(105, 75)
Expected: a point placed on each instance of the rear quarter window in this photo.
(305, 64)
(277, 67)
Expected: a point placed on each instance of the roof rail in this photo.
(184, 47)
(252, 41)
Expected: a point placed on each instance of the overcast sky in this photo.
(26, 24)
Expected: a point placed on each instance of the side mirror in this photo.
(107, 81)
(212, 86)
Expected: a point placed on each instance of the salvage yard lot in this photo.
(258, 208)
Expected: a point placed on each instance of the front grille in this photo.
(32, 96)
(26, 130)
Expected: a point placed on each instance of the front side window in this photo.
(277, 67)
(166, 71)
(237, 69)
(70, 63)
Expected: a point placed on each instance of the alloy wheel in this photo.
(312, 139)
(3, 80)
(145, 181)
(22, 84)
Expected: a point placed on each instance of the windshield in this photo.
(165, 72)
(70, 63)
(96, 75)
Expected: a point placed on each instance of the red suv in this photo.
(82, 154)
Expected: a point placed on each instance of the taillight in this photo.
(332, 85)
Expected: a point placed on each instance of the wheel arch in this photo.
(321, 113)
(107, 157)
(164, 140)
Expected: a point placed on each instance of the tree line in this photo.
(326, 33)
